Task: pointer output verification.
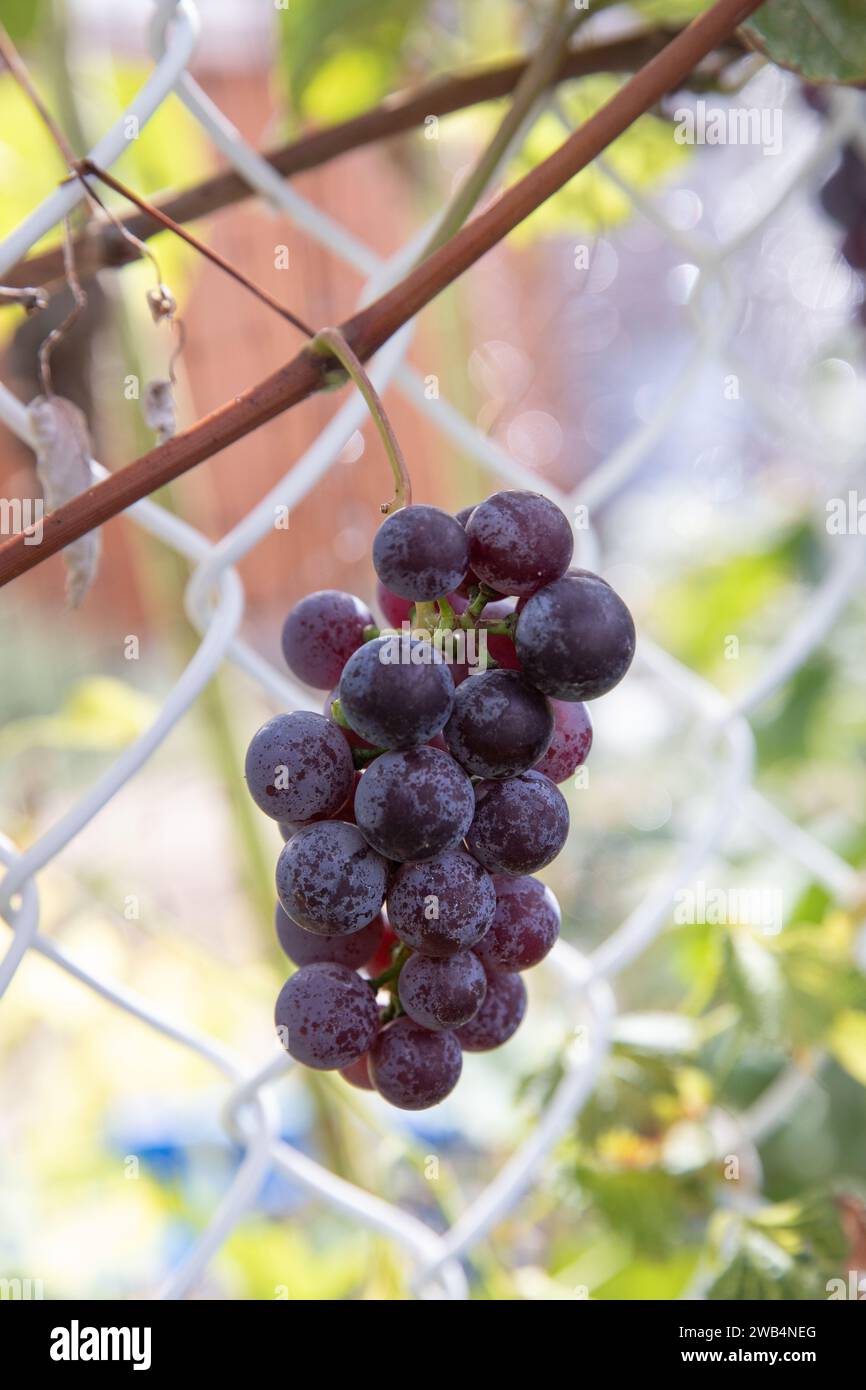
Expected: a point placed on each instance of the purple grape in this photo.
(329, 880)
(358, 1073)
(519, 826)
(843, 196)
(525, 925)
(326, 1016)
(415, 804)
(396, 692)
(311, 948)
(443, 905)
(442, 993)
(853, 248)
(420, 553)
(395, 609)
(519, 541)
(299, 766)
(288, 828)
(501, 648)
(575, 638)
(412, 1067)
(320, 634)
(571, 742)
(499, 1017)
(500, 725)
(470, 579)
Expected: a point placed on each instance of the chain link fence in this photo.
(215, 604)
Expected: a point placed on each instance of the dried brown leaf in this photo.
(61, 440)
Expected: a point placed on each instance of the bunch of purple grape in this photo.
(417, 806)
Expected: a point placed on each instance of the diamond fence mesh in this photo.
(215, 604)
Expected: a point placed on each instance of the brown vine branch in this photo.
(372, 326)
(100, 244)
(13, 61)
(86, 166)
(31, 298)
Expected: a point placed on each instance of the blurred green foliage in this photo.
(23, 18)
(341, 56)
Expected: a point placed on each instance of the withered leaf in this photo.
(158, 409)
(61, 440)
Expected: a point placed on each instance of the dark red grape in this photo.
(396, 610)
(310, 948)
(525, 925)
(288, 828)
(420, 552)
(442, 905)
(358, 1073)
(329, 880)
(442, 993)
(571, 742)
(816, 98)
(503, 651)
(470, 579)
(575, 638)
(396, 692)
(320, 634)
(382, 959)
(500, 725)
(415, 804)
(843, 196)
(519, 541)
(499, 1017)
(412, 1067)
(519, 826)
(299, 766)
(854, 246)
(326, 1016)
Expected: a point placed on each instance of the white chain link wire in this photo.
(215, 603)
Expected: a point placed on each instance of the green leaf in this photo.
(655, 1209)
(786, 1250)
(759, 1271)
(823, 40)
(698, 953)
(22, 17)
(848, 1043)
(695, 614)
(754, 982)
(822, 983)
(809, 1225)
(661, 1280)
(341, 56)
